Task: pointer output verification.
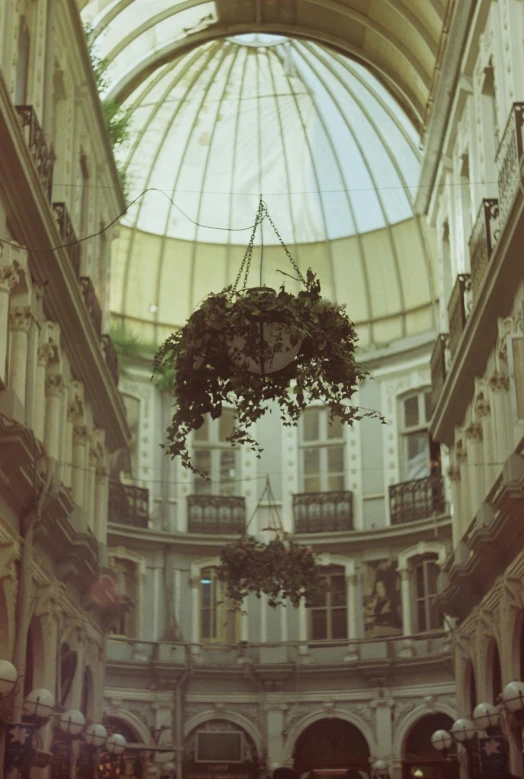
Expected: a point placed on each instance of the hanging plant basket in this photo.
(281, 569)
(247, 347)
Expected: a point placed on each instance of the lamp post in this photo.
(115, 745)
(463, 732)
(513, 703)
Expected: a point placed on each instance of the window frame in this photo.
(331, 572)
(216, 446)
(405, 431)
(431, 616)
(323, 443)
(219, 614)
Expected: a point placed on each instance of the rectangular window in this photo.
(216, 457)
(322, 452)
(417, 449)
(424, 583)
(218, 622)
(328, 612)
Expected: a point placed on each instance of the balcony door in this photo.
(216, 457)
(420, 455)
(218, 622)
(322, 456)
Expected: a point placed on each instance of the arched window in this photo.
(322, 452)
(328, 612)
(420, 758)
(218, 622)
(331, 743)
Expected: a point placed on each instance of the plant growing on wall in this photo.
(246, 347)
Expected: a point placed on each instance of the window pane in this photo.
(338, 590)
(311, 461)
(206, 623)
(336, 483)
(431, 574)
(205, 585)
(227, 472)
(335, 459)
(318, 625)
(202, 434)
(419, 581)
(421, 614)
(417, 455)
(311, 425)
(335, 429)
(427, 405)
(202, 458)
(312, 484)
(319, 599)
(338, 623)
(226, 423)
(411, 416)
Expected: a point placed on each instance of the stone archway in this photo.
(332, 747)
(419, 757)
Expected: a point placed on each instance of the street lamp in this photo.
(39, 706)
(442, 741)
(72, 722)
(8, 678)
(116, 744)
(167, 769)
(513, 698)
(95, 735)
(380, 769)
(486, 716)
(463, 730)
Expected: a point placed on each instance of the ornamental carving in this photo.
(9, 277)
(403, 708)
(499, 382)
(20, 318)
(46, 353)
(454, 473)
(474, 431)
(363, 712)
(80, 435)
(54, 384)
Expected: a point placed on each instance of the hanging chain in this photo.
(262, 214)
(290, 258)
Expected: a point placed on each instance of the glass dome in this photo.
(314, 133)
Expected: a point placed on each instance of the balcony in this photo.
(484, 236)
(128, 505)
(509, 156)
(458, 310)
(42, 154)
(216, 514)
(438, 367)
(67, 235)
(111, 357)
(410, 501)
(93, 306)
(323, 512)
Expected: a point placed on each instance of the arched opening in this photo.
(220, 746)
(421, 760)
(87, 701)
(34, 671)
(470, 687)
(130, 763)
(332, 747)
(495, 672)
(68, 663)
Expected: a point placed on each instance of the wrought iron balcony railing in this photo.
(416, 499)
(42, 155)
(458, 309)
(220, 514)
(509, 156)
(111, 357)
(93, 306)
(128, 505)
(484, 237)
(68, 235)
(438, 368)
(323, 512)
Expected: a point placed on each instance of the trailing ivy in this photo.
(214, 353)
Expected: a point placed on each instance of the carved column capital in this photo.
(54, 385)
(46, 353)
(482, 408)
(454, 473)
(76, 410)
(498, 382)
(474, 431)
(80, 435)
(405, 573)
(20, 318)
(9, 277)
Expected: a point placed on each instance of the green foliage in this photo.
(131, 350)
(281, 569)
(233, 331)
(118, 121)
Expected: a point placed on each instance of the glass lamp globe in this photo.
(40, 704)
(463, 730)
(72, 722)
(116, 744)
(441, 740)
(486, 715)
(513, 696)
(168, 768)
(96, 735)
(8, 677)
(380, 767)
